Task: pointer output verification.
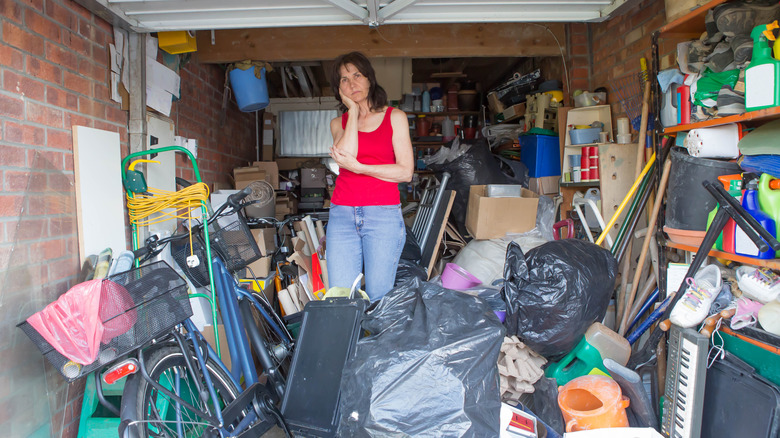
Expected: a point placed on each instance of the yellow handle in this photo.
(623, 204)
(140, 160)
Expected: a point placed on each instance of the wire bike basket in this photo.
(99, 321)
(234, 244)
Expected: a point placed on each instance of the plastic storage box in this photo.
(541, 154)
(584, 136)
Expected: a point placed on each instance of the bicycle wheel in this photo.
(159, 414)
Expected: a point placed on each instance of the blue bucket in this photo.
(251, 92)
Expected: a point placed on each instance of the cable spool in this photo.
(263, 199)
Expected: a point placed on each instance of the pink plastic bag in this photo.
(116, 310)
(72, 323)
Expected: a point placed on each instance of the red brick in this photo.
(42, 25)
(64, 268)
(116, 114)
(10, 205)
(11, 107)
(77, 83)
(18, 37)
(61, 98)
(77, 43)
(26, 134)
(46, 205)
(11, 155)
(58, 139)
(44, 70)
(62, 226)
(34, 4)
(62, 15)
(91, 70)
(10, 10)
(100, 54)
(101, 92)
(46, 160)
(75, 119)
(60, 182)
(44, 115)
(92, 107)
(12, 58)
(62, 56)
(24, 85)
(77, 8)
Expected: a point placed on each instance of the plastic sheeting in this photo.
(427, 369)
(555, 292)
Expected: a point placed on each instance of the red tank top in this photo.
(375, 147)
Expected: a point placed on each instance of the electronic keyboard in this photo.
(686, 370)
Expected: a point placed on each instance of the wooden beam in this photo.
(413, 41)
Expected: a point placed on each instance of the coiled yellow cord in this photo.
(142, 206)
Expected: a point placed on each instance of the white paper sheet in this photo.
(159, 100)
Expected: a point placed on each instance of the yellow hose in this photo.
(142, 206)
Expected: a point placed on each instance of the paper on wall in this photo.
(160, 76)
(151, 47)
(159, 100)
(115, 88)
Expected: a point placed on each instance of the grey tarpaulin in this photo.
(427, 369)
(555, 292)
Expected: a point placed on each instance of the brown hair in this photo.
(377, 97)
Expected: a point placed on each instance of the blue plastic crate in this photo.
(541, 154)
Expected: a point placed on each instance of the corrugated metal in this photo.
(156, 15)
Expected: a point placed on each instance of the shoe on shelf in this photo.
(702, 290)
(760, 284)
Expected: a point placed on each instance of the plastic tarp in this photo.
(427, 368)
(74, 323)
(555, 292)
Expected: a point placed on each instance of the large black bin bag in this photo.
(555, 292)
(427, 368)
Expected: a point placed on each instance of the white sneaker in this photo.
(760, 284)
(702, 290)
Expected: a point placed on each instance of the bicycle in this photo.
(177, 385)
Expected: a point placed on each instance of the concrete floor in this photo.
(274, 432)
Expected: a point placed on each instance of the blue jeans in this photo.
(370, 237)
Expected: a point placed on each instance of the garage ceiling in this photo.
(159, 15)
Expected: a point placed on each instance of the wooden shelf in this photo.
(581, 184)
(757, 115)
(690, 25)
(770, 263)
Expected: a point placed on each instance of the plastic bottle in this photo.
(742, 244)
(763, 75)
(769, 199)
(426, 101)
(609, 343)
(448, 129)
(725, 240)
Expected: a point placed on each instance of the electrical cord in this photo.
(142, 206)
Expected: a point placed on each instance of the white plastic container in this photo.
(608, 343)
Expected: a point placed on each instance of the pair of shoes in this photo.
(739, 18)
(702, 290)
(760, 284)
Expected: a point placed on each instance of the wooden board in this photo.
(315, 43)
(617, 163)
(99, 195)
(439, 225)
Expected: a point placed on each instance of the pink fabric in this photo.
(71, 324)
(375, 147)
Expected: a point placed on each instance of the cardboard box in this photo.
(517, 110)
(261, 267)
(491, 218)
(269, 123)
(546, 185)
(266, 239)
(271, 170)
(224, 350)
(313, 178)
(245, 175)
(677, 8)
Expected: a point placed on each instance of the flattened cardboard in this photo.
(492, 218)
(265, 238)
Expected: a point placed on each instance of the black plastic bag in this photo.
(555, 292)
(411, 249)
(407, 271)
(476, 166)
(428, 368)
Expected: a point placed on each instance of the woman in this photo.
(372, 147)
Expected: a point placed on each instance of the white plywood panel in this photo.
(163, 175)
(99, 194)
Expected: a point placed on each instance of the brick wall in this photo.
(53, 75)
(601, 52)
